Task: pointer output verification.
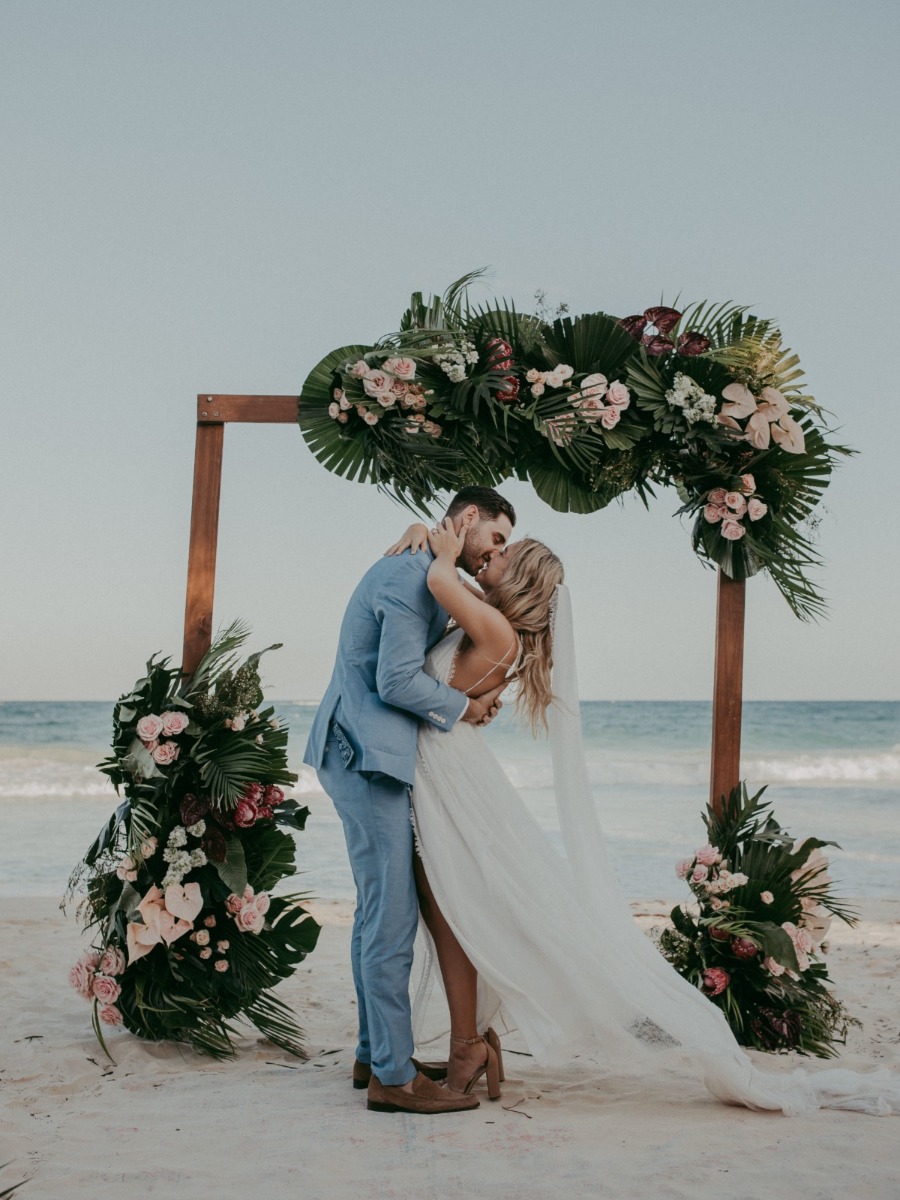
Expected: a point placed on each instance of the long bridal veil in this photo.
(659, 1009)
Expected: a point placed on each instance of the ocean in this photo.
(833, 770)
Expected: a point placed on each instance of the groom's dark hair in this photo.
(490, 504)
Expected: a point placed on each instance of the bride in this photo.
(529, 940)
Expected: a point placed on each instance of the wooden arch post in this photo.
(215, 411)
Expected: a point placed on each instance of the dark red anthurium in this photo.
(651, 326)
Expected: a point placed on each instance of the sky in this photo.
(210, 197)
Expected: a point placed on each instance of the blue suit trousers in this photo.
(375, 812)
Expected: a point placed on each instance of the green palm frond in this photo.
(593, 342)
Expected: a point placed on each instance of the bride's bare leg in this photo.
(460, 985)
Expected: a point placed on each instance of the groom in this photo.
(363, 746)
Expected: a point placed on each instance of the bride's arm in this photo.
(415, 538)
(487, 628)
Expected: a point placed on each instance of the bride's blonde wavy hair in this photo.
(525, 595)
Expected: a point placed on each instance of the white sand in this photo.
(164, 1122)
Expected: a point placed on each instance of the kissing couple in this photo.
(525, 937)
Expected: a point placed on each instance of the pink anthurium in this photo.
(740, 401)
(774, 403)
(758, 430)
(185, 902)
(788, 434)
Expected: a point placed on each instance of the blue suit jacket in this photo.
(378, 692)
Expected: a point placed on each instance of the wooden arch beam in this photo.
(215, 411)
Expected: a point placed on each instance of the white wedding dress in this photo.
(558, 954)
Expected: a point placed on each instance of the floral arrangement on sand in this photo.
(753, 939)
(187, 935)
(587, 408)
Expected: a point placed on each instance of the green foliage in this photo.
(472, 429)
(213, 796)
(753, 939)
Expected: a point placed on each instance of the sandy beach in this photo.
(164, 1122)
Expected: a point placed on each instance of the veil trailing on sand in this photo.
(666, 1012)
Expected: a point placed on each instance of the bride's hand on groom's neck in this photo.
(483, 709)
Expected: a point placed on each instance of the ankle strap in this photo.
(467, 1041)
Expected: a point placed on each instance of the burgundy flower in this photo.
(254, 792)
(244, 814)
(193, 808)
(717, 934)
(499, 358)
(213, 844)
(778, 1030)
(744, 948)
(715, 981)
(274, 795)
(651, 326)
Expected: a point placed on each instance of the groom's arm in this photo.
(399, 676)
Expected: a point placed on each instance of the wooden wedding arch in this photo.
(214, 412)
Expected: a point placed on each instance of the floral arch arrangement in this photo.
(588, 408)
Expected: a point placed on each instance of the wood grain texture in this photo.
(273, 410)
(201, 577)
(728, 689)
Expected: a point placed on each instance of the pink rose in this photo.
(377, 384)
(127, 869)
(106, 989)
(748, 484)
(244, 815)
(699, 873)
(250, 919)
(343, 418)
(174, 723)
(756, 509)
(81, 978)
(201, 937)
(593, 385)
(717, 496)
(334, 410)
(151, 746)
(403, 368)
(766, 897)
(206, 952)
(248, 892)
(234, 904)
(210, 921)
(682, 868)
(238, 722)
(148, 848)
(708, 855)
(262, 902)
(221, 965)
(165, 753)
(370, 418)
(360, 369)
(343, 402)
(619, 395)
(223, 945)
(715, 981)
(399, 389)
(736, 501)
(610, 417)
(149, 728)
(387, 401)
(773, 967)
(113, 961)
(713, 513)
(732, 531)
(110, 1015)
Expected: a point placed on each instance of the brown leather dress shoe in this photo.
(426, 1097)
(362, 1072)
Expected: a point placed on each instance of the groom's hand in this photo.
(483, 709)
